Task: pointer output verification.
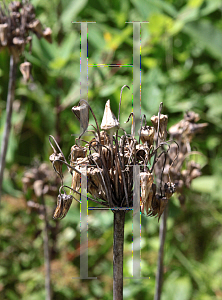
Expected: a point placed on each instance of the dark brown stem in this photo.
(118, 242)
(46, 254)
(10, 98)
(162, 236)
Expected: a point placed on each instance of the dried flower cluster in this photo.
(185, 170)
(108, 159)
(17, 21)
(42, 180)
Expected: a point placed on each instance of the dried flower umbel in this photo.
(109, 157)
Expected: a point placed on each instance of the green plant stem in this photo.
(10, 98)
(162, 236)
(46, 253)
(118, 243)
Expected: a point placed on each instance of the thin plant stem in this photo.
(10, 98)
(118, 243)
(46, 254)
(162, 236)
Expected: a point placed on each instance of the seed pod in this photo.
(20, 45)
(169, 189)
(4, 34)
(195, 173)
(109, 121)
(95, 186)
(76, 180)
(147, 205)
(140, 151)
(25, 69)
(47, 34)
(38, 187)
(36, 27)
(82, 114)
(59, 208)
(146, 184)
(57, 164)
(77, 152)
(18, 41)
(163, 204)
(147, 135)
(64, 202)
(162, 127)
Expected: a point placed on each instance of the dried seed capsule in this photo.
(47, 34)
(18, 41)
(77, 152)
(147, 135)
(38, 187)
(147, 205)
(162, 127)
(25, 69)
(82, 114)
(109, 121)
(169, 189)
(76, 180)
(64, 202)
(36, 27)
(146, 179)
(67, 201)
(4, 34)
(163, 204)
(59, 208)
(57, 164)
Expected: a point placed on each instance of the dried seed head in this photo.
(163, 125)
(4, 34)
(25, 69)
(147, 135)
(109, 121)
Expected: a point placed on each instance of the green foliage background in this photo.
(181, 66)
